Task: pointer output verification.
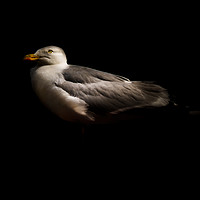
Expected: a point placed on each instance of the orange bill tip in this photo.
(31, 57)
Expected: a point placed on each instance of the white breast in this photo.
(44, 81)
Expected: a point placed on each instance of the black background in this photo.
(140, 42)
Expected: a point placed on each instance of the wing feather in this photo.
(108, 93)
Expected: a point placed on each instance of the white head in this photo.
(49, 55)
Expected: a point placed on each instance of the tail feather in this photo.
(157, 94)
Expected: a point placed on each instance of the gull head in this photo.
(50, 55)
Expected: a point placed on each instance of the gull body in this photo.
(85, 95)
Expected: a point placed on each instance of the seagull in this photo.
(88, 96)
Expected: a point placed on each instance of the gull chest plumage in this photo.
(85, 95)
(45, 81)
(45, 78)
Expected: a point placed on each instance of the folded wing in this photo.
(107, 93)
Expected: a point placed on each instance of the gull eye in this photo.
(50, 51)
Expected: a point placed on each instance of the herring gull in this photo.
(85, 95)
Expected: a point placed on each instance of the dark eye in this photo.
(50, 51)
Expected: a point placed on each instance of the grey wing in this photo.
(106, 96)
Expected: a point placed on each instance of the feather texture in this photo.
(105, 92)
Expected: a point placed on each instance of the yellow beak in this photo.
(31, 57)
